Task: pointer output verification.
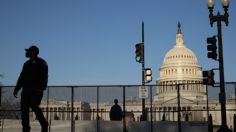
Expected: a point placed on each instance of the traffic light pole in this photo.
(143, 74)
(219, 18)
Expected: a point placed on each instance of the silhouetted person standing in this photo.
(33, 81)
(116, 112)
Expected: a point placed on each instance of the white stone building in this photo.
(180, 66)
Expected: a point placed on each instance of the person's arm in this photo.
(20, 81)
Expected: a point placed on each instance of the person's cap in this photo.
(33, 48)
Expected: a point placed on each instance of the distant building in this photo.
(61, 110)
(180, 66)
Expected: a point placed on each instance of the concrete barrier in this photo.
(109, 126)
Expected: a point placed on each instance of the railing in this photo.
(86, 108)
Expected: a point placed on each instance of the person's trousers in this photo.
(32, 100)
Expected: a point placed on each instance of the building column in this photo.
(173, 114)
(170, 113)
(192, 86)
(176, 114)
(160, 113)
(155, 114)
(59, 113)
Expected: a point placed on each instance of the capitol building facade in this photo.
(180, 68)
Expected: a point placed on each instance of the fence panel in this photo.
(86, 108)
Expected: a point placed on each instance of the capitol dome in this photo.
(180, 54)
(180, 66)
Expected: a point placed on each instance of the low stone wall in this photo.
(109, 126)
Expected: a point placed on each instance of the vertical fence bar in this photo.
(124, 121)
(207, 103)
(235, 106)
(234, 121)
(47, 109)
(151, 108)
(98, 127)
(179, 115)
(47, 103)
(0, 96)
(235, 93)
(0, 108)
(72, 110)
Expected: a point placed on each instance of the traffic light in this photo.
(139, 52)
(208, 77)
(148, 75)
(212, 48)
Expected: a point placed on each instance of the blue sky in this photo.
(87, 42)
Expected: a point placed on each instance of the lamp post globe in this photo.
(225, 3)
(210, 3)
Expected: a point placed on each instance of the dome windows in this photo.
(182, 56)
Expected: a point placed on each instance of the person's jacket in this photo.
(34, 75)
(116, 113)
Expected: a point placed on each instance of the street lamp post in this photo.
(220, 18)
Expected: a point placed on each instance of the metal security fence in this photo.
(179, 107)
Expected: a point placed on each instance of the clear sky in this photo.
(92, 41)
